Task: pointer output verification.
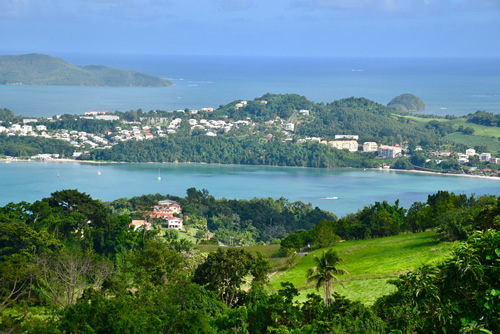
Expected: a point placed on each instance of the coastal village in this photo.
(201, 122)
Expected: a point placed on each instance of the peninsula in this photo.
(39, 69)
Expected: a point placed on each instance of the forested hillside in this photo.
(38, 69)
(69, 263)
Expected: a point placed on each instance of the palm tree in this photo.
(324, 273)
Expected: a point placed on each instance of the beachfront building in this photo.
(391, 152)
(485, 157)
(350, 145)
(370, 146)
(470, 152)
(494, 160)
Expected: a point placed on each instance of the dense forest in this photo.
(29, 146)
(69, 263)
(232, 150)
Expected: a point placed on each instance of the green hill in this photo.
(371, 264)
(38, 69)
(407, 102)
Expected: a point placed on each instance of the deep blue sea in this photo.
(447, 86)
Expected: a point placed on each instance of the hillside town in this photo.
(202, 122)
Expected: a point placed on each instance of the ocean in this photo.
(447, 86)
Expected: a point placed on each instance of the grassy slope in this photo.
(371, 263)
(483, 135)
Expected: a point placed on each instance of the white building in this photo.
(107, 117)
(370, 146)
(290, 127)
(484, 157)
(470, 152)
(15, 127)
(386, 151)
(354, 137)
(350, 145)
(495, 161)
(174, 223)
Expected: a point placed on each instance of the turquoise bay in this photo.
(31, 181)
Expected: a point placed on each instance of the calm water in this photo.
(30, 181)
(447, 86)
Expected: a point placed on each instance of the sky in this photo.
(322, 28)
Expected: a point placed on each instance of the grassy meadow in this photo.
(487, 136)
(371, 264)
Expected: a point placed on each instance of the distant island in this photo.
(39, 69)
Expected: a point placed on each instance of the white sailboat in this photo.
(159, 177)
(99, 169)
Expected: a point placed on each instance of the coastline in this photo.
(65, 160)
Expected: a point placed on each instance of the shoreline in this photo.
(414, 171)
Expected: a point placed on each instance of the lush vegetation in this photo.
(484, 118)
(69, 263)
(37, 69)
(6, 115)
(255, 134)
(407, 102)
(29, 146)
(232, 150)
(234, 222)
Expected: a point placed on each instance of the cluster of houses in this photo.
(26, 129)
(464, 158)
(165, 211)
(148, 129)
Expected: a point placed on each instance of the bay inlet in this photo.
(340, 191)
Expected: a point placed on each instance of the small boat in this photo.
(333, 197)
(99, 169)
(159, 177)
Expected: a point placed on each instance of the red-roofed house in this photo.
(140, 223)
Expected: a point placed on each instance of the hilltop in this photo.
(39, 69)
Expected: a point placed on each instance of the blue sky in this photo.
(339, 28)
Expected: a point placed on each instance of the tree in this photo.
(460, 295)
(323, 234)
(324, 273)
(224, 272)
(63, 278)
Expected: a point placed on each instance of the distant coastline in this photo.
(39, 69)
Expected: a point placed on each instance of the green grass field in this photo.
(491, 143)
(483, 135)
(371, 264)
